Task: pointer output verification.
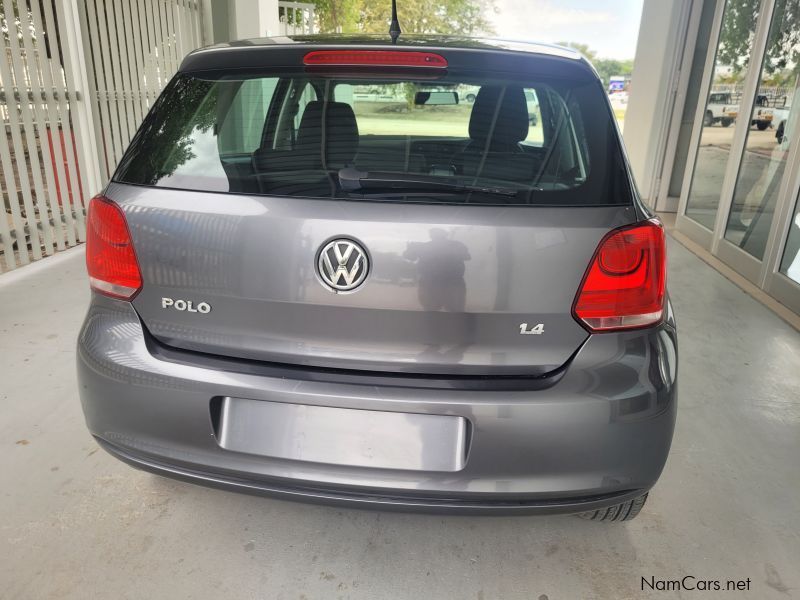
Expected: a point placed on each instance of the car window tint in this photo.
(539, 141)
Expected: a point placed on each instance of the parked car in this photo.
(460, 321)
(762, 118)
(763, 113)
(720, 109)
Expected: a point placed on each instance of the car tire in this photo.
(708, 119)
(762, 125)
(726, 122)
(625, 511)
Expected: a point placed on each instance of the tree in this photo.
(186, 101)
(738, 33)
(337, 16)
(466, 17)
(738, 30)
(783, 45)
(606, 67)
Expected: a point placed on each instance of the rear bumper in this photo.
(342, 497)
(595, 435)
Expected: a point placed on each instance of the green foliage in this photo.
(738, 32)
(784, 78)
(784, 38)
(338, 16)
(606, 67)
(190, 105)
(466, 17)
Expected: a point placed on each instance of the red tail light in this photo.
(625, 285)
(374, 58)
(110, 258)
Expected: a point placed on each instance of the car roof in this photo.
(405, 41)
(240, 53)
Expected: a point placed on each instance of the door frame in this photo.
(775, 283)
(764, 273)
(690, 26)
(692, 229)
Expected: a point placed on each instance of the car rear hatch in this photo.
(475, 225)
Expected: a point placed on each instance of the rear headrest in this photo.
(512, 119)
(341, 132)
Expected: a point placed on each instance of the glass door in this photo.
(782, 277)
(719, 120)
(783, 281)
(761, 175)
(740, 194)
(790, 263)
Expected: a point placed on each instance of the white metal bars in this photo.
(76, 79)
(296, 18)
(40, 183)
(135, 46)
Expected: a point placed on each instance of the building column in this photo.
(667, 36)
(242, 19)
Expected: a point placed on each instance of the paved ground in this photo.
(75, 523)
(759, 169)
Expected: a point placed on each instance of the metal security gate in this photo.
(296, 18)
(41, 187)
(76, 79)
(132, 61)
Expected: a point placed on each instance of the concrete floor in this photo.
(78, 524)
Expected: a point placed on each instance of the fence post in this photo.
(76, 67)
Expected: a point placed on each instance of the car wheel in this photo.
(624, 511)
(470, 98)
(726, 122)
(708, 119)
(762, 125)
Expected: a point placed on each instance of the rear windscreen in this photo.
(453, 139)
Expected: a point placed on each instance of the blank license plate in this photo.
(344, 436)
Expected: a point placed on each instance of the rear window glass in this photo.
(455, 139)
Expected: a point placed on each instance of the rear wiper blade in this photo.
(353, 180)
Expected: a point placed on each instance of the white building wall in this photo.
(664, 42)
(241, 19)
(253, 18)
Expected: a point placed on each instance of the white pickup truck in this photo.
(780, 117)
(720, 109)
(770, 113)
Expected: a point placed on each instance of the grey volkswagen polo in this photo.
(319, 273)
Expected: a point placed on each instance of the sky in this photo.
(610, 27)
